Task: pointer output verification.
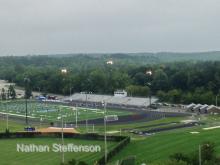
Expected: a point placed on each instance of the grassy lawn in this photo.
(118, 127)
(51, 112)
(160, 146)
(13, 126)
(10, 156)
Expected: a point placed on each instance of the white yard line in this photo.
(209, 128)
(194, 132)
(112, 132)
(11, 114)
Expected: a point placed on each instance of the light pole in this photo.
(149, 85)
(86, 113)
(71, 91)
(149, 73)
(216, 100)
(105, 137)
(87, 110)
(62, 139)
(26, 81)
(7, 117)
(76, 113)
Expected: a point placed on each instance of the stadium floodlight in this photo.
(64, 70)
(149, 73)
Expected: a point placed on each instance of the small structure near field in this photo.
(120, 93)
(203, 109)
(213, 109)
(190, 106)
(199, 108)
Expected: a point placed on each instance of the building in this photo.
(213, 109)
(190, 106)
(120, 93)
(203, 109)
(197, 107)
(95, 101)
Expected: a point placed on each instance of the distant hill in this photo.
(155, 57)
(79, 61)
(197, 56)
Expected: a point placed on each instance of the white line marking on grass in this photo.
(209, 128)
(87, 108)
(112, 132)
(11, 114)
(194, 132)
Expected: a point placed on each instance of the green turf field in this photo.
(10, 156)
(13, 126)
(160, 146)
(52, 112)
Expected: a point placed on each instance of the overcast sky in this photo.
(74, 26)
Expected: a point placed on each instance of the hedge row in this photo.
(115, 150)
(90, 136)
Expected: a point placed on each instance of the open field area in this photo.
(12, 157)
(147, 148)
(13, 126)
(51, 112)
(160, 146)
(140, 79)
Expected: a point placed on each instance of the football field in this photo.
(44, 111)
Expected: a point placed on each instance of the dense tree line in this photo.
(178, 82)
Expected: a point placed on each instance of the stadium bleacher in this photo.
(95, 100)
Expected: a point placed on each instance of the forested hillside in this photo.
(179, 78)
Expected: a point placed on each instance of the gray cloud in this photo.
(65, 26)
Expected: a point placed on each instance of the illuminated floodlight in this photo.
(149, 72)
(110, 62)
(64, 70)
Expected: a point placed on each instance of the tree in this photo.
(208, 152)
(28, 91)
(11, 92)
(3, 94)
(136, 90)
(140, 78)
(208, 156)
(174, 95)
(160, 80)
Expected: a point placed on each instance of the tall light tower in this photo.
(26, 95)
(63, 72)
(62, 136)
(149, 73)
(105, 137)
